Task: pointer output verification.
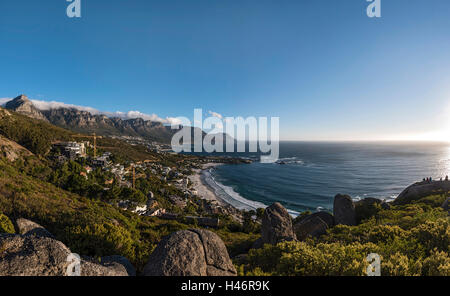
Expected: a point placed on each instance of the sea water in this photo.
(309, 175)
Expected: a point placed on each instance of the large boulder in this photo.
(116, 259)
(27, 227)
(35, 252)
(344, 210)
(30, 255)
(276, 225)
(420, 190)
(312, 226)
(92, 267)
(368, 207)
(324, 216)
(191, 252)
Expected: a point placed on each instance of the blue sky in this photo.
(326, 69)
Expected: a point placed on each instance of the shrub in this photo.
(6, 225)
(437, 264)
(309, 258)
(399, 265)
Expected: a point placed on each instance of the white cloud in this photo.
(215, 114)
(45, 105)
(3, 101)
(49, 105)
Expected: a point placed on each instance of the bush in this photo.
(6, 225)
(399, 265)
(310, 259)
(437, 264)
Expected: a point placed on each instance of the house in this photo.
(100, 162)
(178, 201)
(84, 174)
(155, 212)
(71, 150)
(88, 169)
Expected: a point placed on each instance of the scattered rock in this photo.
(190, 253)
(344, 210)
(27, 227)
(276, 225)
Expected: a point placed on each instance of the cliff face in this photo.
(11, 150)
(83, 121)
(23, 105)
(86, 122)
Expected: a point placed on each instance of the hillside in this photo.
(83, 212)
(86, 122)
(34, 134)
(37, 136)
(11, 150)
(77, 211)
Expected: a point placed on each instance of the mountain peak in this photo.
(17, 102)
(23, 105)
(22, 98)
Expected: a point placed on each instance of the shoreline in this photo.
(204, 191)
(207, 192)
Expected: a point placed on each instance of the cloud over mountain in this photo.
(3, 101)
(49, 105)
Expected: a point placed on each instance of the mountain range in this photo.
(86, 122)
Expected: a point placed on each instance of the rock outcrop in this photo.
(344, 210)
(276, 225)
(325, 216)
(106, 267)
(11, 150)
(420, 190)
(27, 227)
(23, 105)
(35, 252)
(120, 260)
(190, 253)
(31, 255)
(313, 225)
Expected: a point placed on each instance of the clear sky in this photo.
(326, 69)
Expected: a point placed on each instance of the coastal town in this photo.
(181, 188)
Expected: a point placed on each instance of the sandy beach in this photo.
(203, 190)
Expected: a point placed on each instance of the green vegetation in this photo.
(35, 135)
(6, 225)
(87, 225)
(411, 240)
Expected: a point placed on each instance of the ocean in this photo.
(314, 173)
